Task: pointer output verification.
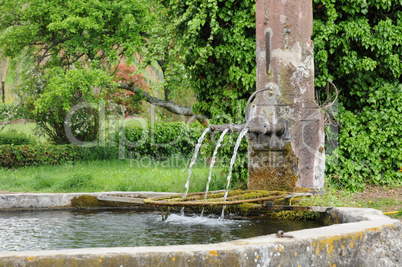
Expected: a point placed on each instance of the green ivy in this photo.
(217, 39)
(357, 47)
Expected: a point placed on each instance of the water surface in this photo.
(43, 230)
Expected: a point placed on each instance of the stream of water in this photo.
(193, 160)
(238, 141)
(218, 145)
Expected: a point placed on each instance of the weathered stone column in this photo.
(285, 64)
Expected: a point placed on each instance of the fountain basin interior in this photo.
(42, 230)
(363, 237)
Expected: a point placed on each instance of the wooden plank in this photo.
(122, 199)
(212, 203)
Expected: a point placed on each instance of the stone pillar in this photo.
(296, 159)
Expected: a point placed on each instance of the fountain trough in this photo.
(361, 237)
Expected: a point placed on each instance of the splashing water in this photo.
(218, 145)
(197, 149)
(238, 141)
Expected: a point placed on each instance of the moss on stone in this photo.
(87, 201)
(282, 177)
(296, 215)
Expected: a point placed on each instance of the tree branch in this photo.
(168, 105)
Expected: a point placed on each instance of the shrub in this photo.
(3, 110)
(161, 140)
(20, 156)
(37, 155)
(15, 138)
(9, 112)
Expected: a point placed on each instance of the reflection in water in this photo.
(41, 230)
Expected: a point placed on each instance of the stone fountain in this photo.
(286, 151)
(286, 126)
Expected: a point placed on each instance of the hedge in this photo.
(15, 138)
(37, 155)
(160, 140)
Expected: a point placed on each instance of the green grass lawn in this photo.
(343, 198)
(117, 175)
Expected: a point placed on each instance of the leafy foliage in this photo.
(225, 154)
(210, 47)
(161, 140)
(15, 138)
(59, 91)
(9, 112)
(162, 47)
(68, 31)
(357, 47)
(217, 42)
(129, 101)
(71, 48)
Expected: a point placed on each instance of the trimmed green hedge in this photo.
(158, 140)
(161, 140)
(15, 138)
(37, 155)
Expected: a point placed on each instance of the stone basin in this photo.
(363, 237)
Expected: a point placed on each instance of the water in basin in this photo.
(43, 230)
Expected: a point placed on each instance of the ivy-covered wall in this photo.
(357, 46)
